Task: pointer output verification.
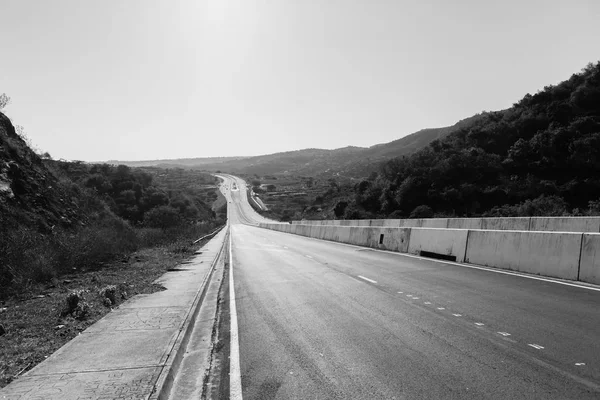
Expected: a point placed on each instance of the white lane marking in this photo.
(441, 308)
(415, 298)
(427, 302)
(457, 315)
(579, 364)
(367, 279)
(536, 346)
(285, 247)
(495, 270)
(235, 376)
(503, 333)
(479, 323)
(308, 256)
(400, 292)
(409, 295)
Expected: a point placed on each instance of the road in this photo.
(323, 320)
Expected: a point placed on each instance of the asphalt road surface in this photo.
(323, 320)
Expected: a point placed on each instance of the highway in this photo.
(323, 320)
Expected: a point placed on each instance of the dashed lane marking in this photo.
(536, 346)
(415, 298)
(400, 292)
(441, 308)
(308, 257)
(479, 323)
(482, 268)
(579, 364)
(427, 302)
(367, 279)
(503, 333)
(457, 315)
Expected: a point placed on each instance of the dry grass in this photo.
(33, 322)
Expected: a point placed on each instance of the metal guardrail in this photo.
(213, 233)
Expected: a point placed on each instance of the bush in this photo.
(163, 217)
(421, 211)
(397, 214)
(76, 305)
(109, 295)
(543, 206)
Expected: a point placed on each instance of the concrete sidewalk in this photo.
(128, 354)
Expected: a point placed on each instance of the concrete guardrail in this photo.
(551, 224)
(566, 255)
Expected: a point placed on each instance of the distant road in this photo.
(322, 320)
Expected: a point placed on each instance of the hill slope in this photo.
(349, 161)
(539, 157)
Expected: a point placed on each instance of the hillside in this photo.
(175, 162)
(349, 161)
(539, 157)
(30, 195)
(57, 215)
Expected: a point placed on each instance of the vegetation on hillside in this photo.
(539, 157)
(58, 217)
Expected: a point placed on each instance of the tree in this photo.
(4, 101)
(339, 208)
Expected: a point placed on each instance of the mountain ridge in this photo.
(351, 160)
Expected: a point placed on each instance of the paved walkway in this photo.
(128, 354)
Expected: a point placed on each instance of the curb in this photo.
(164, 383)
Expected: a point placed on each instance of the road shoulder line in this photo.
(235, 378)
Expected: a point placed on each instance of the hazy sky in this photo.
(142, 79)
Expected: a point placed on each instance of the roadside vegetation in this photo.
(110, 211)
(78, 239)
(541, 157)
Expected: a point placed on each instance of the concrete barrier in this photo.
(434, 223)
(589, 266)
(394, 223)
(554, 224)
(447, 242)
(566, 255)
(506, 224)
(464, 223)
(565, 224)
(543, 253)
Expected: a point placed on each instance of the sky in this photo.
(144, 79)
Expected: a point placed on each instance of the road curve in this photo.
(322, 320)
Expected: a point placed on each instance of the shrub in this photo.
(76, 305)
(421, 211)
(163, 217)
(109, 295)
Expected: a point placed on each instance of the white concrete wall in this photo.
(434, 222)
(442, 241)
(543, 253)
(566, 255)
(506, 224)
(464, 223)
(589, 267)
(555, 224)
(565, 224)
